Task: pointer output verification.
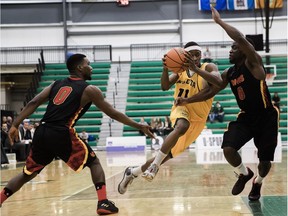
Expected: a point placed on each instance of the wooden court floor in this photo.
(195, 183)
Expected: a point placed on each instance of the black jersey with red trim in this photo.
(252, 95)
(64, 102)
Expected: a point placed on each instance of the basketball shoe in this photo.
(255, 194)
(127, 179)
(242, 180)
(150, 172)
(106, 207)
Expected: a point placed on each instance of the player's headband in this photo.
(194, 47)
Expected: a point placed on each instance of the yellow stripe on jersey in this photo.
(263, 94)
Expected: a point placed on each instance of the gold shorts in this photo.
(191, 134)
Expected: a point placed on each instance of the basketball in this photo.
(174, 59)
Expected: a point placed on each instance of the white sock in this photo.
(258, 179)
(159, 158)
(242, 169)
(136, 171)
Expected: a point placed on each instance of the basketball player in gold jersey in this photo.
(188, 121)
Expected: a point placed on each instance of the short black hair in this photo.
(73, 61)
(191, 43)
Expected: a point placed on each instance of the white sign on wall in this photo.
(131, 143)
(208, 150)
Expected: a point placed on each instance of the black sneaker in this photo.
(106, 207)
(242, 180)
(254, 194)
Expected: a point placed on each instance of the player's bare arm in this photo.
(39, 99)
(253, 59)
(94, 94)
(203, 95)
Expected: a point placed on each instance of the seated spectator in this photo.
(84, 136)
(211, 115)
(216, 113)
(219, 112)
(167, 126)
(4, 158)
(17, 148)
(25, 138)
(142, 121)
(153, 125)
(160, 127)
(9, 122)
(276, 100)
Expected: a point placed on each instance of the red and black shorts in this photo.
(263, 127)
(50, 141)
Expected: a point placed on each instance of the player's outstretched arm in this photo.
(32, 105)
(254, 60)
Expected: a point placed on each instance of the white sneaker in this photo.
(127, 179)
(150, 172)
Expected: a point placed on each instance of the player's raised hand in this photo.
(164, 62)
(147, 130)
(215, 14)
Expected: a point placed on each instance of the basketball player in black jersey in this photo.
(258, 118)
(68, 100)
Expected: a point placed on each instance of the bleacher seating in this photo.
(146, 99)
(91, 121)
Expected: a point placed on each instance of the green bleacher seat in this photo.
(89, 121)
(144, 87)
(56, 77)
(146, 70)
(149, 99)
(143, 81)
(149, 93)
(146, 64)
(87, 128)
(148, 106)
(95, 114)
(142, 113)
(217, 125)
(93, 64)
(65, 71)
(145, 75)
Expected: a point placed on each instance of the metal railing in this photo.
(52, 54)
(148, 52)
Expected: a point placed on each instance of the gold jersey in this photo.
(189, 85)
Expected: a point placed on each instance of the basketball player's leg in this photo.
(183, 142)
(104, 206)
(35, 162)
(180, 129)
(266, 143)
(15, 184)
(235, 137)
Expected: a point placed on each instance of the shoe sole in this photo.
(105, 212)
(148, 177)
(122, 181)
